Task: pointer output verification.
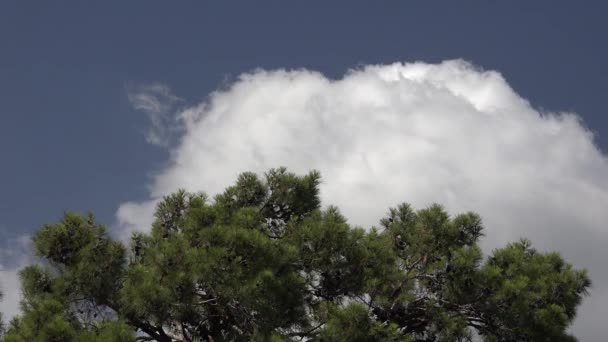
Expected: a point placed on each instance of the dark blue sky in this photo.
(69, 139)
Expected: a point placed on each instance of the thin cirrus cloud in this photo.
(421, 133)
(157, 101)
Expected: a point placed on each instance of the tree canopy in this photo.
(263, 261)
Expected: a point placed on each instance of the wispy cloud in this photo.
(158, 102)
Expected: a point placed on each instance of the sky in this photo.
(496, 108)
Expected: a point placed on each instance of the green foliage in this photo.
(263, 261)
(353, 323)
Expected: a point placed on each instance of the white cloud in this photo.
(11, 291)
(13, 257)
(157, 101)
(422, 133)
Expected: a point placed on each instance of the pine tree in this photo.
(263, 261)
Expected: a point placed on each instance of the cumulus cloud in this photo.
(422, 133)
(14, 255)
(158, 102)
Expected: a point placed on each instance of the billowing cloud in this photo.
(422, 133)
(14, 254)
(11, 293)
(157, 101)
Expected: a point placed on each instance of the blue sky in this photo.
(71, 138)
